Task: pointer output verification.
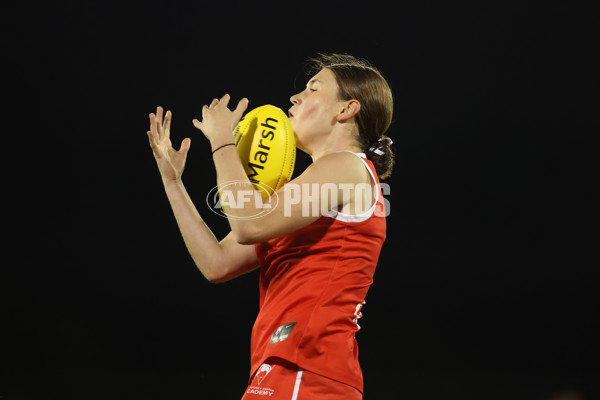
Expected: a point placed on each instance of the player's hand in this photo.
(218, 121)
(171, 162)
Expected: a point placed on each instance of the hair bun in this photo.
(380, 144)
(386, 140)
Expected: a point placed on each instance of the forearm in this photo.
(218, 123)
(200, 241)
(230, 169)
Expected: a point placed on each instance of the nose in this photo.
(295, 99)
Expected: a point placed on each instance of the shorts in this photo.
(277, 379)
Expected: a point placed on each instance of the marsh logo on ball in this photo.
(266, 144)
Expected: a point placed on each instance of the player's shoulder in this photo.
(344, 164)
(338, 159)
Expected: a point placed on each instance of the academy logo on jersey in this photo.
(262, 373)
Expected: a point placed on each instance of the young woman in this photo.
(315, 268)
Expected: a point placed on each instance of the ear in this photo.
(348, 110)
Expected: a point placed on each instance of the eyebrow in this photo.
(313, 80)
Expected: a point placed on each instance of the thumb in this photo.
(185, 145)
(197, 124)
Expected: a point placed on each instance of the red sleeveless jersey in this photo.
(313, 283)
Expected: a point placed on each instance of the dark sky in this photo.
(487, 283)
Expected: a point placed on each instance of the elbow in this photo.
(224, 275)
(246, 234)
(214, 277)
(208, 268)
(210, 276)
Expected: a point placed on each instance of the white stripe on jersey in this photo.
(297, 385)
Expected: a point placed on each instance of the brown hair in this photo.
(359, 80)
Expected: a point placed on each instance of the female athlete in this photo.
(315, 268)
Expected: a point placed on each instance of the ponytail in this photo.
(381, 155)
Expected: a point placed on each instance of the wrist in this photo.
(172, 184)
(223, 146)
(220, 140)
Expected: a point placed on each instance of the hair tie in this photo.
(388, 141)
(385, 139)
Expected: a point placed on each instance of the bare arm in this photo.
(218, 261)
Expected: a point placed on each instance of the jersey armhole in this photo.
(367, 214)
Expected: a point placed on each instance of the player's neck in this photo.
(337, 140)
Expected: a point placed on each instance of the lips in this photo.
(290, 115)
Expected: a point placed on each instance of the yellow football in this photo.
(267, 148)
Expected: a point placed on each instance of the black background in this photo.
(487, 284)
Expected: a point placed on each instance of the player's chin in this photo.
(295, 129)
(299, 144)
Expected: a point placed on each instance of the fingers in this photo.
(151, 139)
(167, 124)
(155, 125)
(155, 149)
(158, 152)
(153, 128)
(219, 104)
(197, 123)
(225, 100)
(159, 127)
(241, 107)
